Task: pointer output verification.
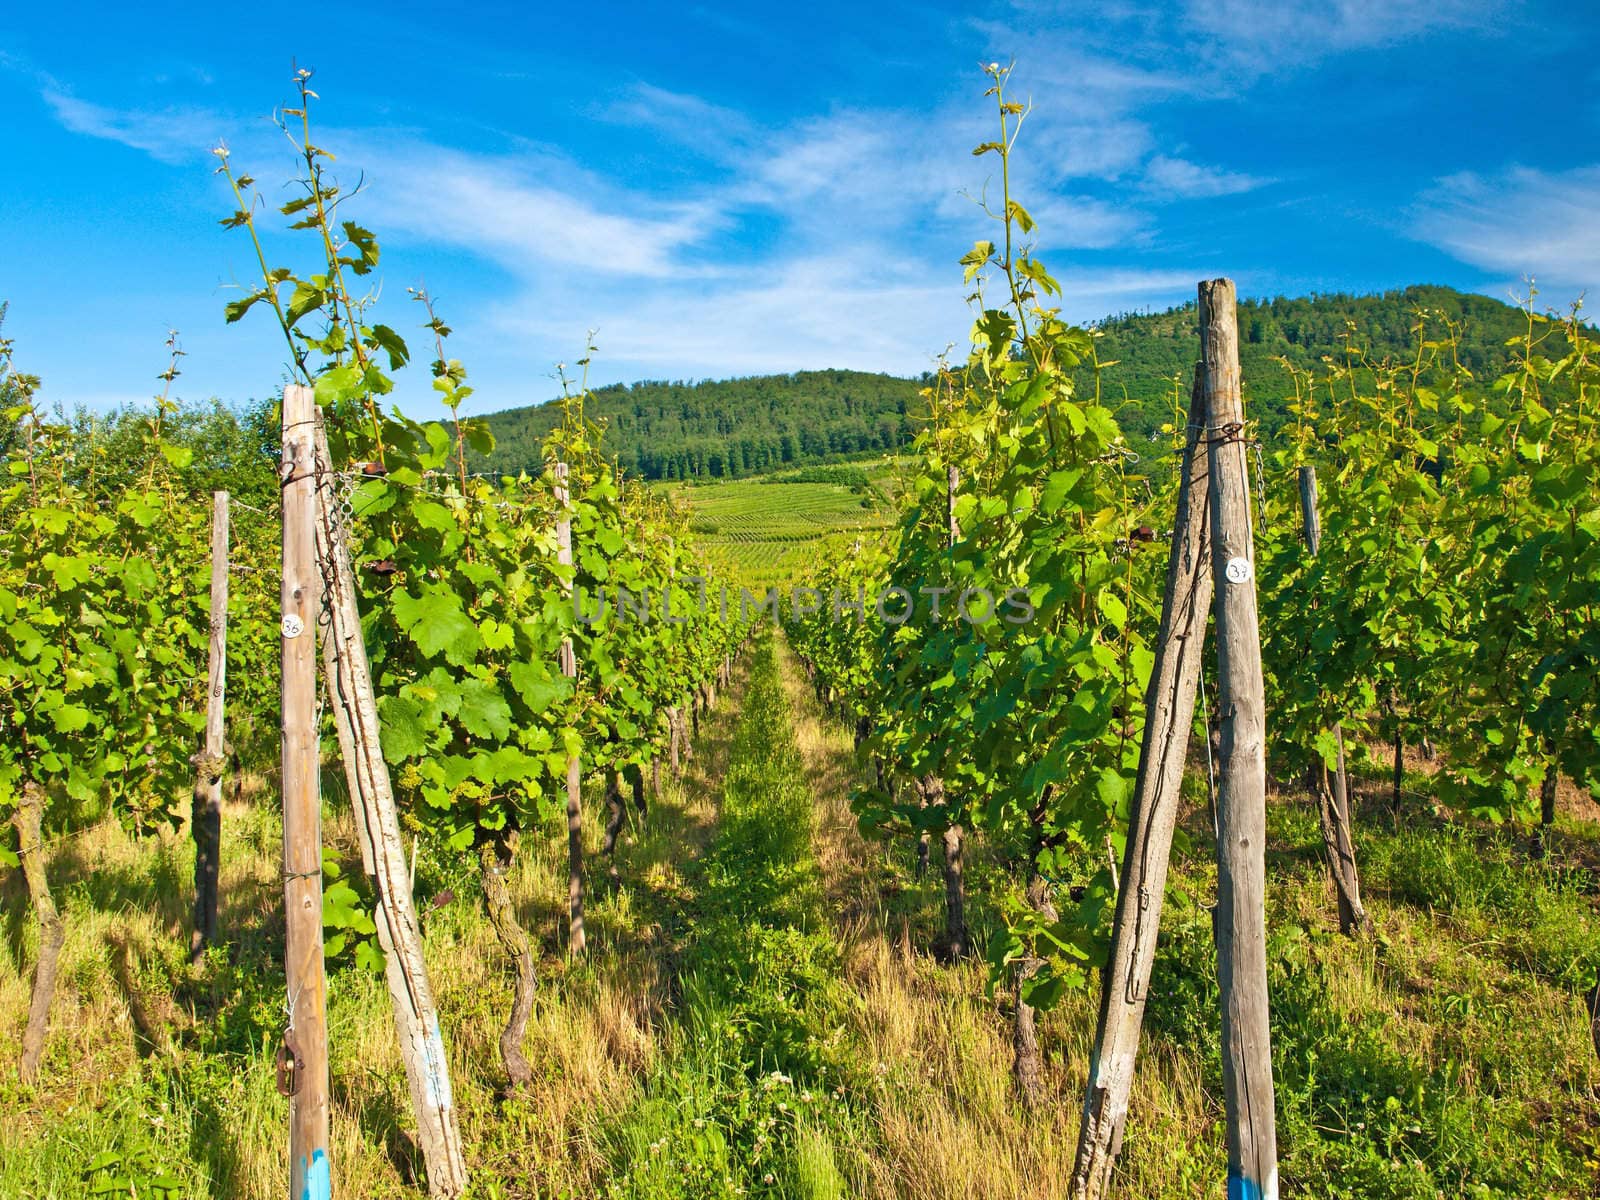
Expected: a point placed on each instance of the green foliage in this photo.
(1287, 337)
(1459, 567)
(724, 429)
(102, 600)
(741, 427)
(752, 1100)
(766, 532)
(137, 1173)
(1031, 725)
(469, 618)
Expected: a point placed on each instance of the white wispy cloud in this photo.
(501, 208)
(875, 314)
(169, 135)
(861, 214)
(1521, 221)
(1223, 46)
(1179, 177)
(1270, 35)
(710, 130)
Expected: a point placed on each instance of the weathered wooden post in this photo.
(1152, 816)
(28, 820)
(383, 852)
(205, 823)
(1333, 801)
(303, 1070)
(1242, 785)
(955, 837)
(569, 668)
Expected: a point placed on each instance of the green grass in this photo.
(758, 1001)
(769, 531)
(749, 1097)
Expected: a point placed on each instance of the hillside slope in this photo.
(739, 427)
(1151, 351)
(727, 428)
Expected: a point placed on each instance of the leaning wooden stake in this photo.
(304, 1062)
(1333, 794)
(1169, 720)
(1242, 769)
(569, 668)
(383, 852)
(205, 824)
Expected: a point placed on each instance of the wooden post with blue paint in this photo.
(1242, 782)
(303, 1058)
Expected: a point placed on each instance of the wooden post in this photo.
(616, 813)
(205, 823)
(305, 1040)
(1152, 816)
(569, 668)
(673, 728)
(1309, 516)
(955, 887)
(1333, 801)
(28, 820)
(383, 853)
(1399, 759)
(1242, 783)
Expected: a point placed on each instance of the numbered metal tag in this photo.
(293, 626)
(1237, 570)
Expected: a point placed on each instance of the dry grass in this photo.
(1466, 995)
(950, 1126)
(1435, 997)
(120, 1069)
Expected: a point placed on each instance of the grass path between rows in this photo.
(935, 1050)
(755, 1092)
(811, 1054)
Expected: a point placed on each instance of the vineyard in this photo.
(766, 531)
(1042, 812)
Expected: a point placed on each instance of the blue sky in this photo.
(726, 189)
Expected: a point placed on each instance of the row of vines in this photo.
(504, 688)
(1450, 605)
(541, 638)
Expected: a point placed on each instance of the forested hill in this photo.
(737, 427)
(1151, 350)
(727, 428)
